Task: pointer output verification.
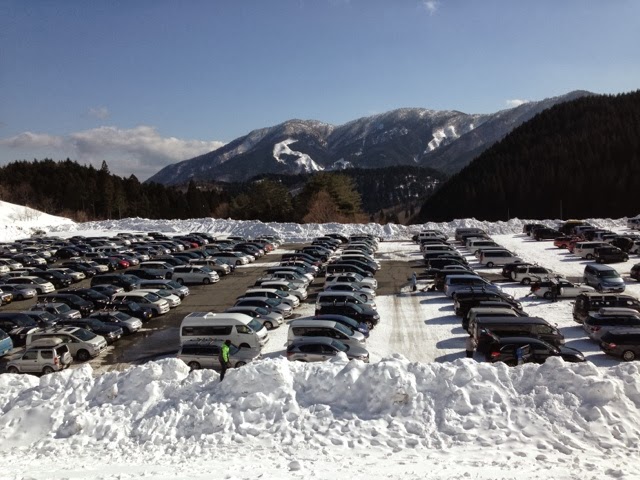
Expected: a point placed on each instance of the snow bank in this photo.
(17, 221)
(391, 405)
(295, 232)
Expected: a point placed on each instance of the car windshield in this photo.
(344, 329)
(272, 302)
(48, 317)
(206, 269)
(63, 308)
(133, 306)
(84, 335)
(121, 316)
(162, 293)
(609, 274)
(261, 311)
(255, 325)
(152, 297)
(282, 293)
(173, 284)
(339, 345)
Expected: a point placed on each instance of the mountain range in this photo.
(444, 140)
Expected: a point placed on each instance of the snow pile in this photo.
(18, 222)
(391, 405)
(296, 232)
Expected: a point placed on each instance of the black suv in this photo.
(85, 307)
(17, 326)
(635, 272)
(111, 333)
(360, 313)
(505, 349)
(59, 280)
(546, 233)
(610, 255)
(466, 300)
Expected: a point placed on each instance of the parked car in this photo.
(526, 274)
(194, 274)
(127, 323)
(99, 300)
(133, 309)
(603, 278)
(44, 356)
(17, 326)
(40, 285)
(271, 304)
(361, 313)
(319, 349)
(592, 302)
(546, 233)
(82, 343)
(205, 354)
(610, 318)
(610, 255)
(564, 288)
(492, 258)
(158, 305)
(621, 343)
(635, 272)
(269, 319)
(505, 350)
(6, 344)
(111, 333)
(59, 310)
(76, 302)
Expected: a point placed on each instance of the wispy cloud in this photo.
(430, 5)
(516, 102)
(140, 150)
(99, 112)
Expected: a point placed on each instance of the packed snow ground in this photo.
(418, 411)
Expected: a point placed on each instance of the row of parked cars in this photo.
(344, 311)
(500, 328)
(608, 316)
(84, 320)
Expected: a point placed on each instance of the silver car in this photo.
(46, 355)
(205, 355)
(319, 349)
(269, 319)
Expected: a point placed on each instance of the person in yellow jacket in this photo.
(224, 358)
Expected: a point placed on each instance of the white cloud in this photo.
(430, 5)
(99, 112)
(140, 150)
(516, 102)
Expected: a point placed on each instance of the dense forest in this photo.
(85, 193)
(577, 159)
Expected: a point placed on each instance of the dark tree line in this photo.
(577, 159)
(84, 193)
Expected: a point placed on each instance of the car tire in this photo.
(268, 325)
(244, 345)
(238, 263)
(47, 370)
(240, 364)
(628, 356)
(490, 264)
(526, 281)
(547, 295)
(589, 256)
(180, 281)
(369, 324)
(206, 281)
(83, 355)
(194, 365)
(13, 369)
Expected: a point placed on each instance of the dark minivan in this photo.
(535, 327)
(592, 302)
(621, 343)
(85, 307)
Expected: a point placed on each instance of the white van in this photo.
(243, 330)
(324, 328)
(491, 258)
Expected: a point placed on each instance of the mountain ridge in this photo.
(446, 140)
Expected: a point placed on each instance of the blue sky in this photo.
(145, 83)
